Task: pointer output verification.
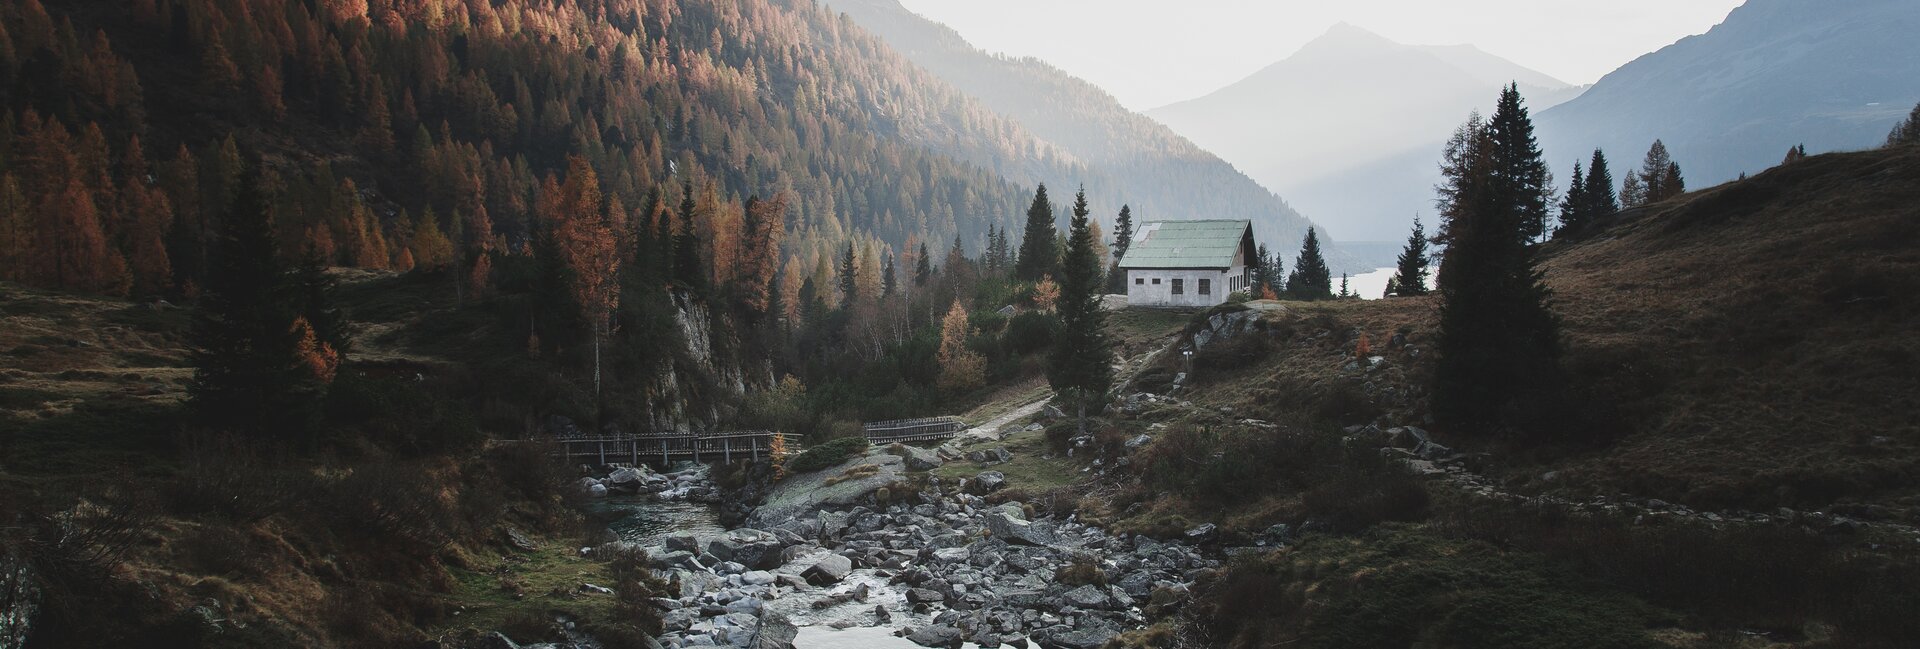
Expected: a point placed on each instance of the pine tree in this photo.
(1310, 280)
(1122, 232)
(248, 374)
(922, 266)
(1672, 182)
(1498, 342)
(1258, 273)
(849, 272)
(1276, 273)
(1601, 203)
(887, 283)
(1905, 133)
(1080, 367)
(687, 267)
(1410, 277)
(1037, 254)
(1660, 175)
(1344, 291)
(1573, 209)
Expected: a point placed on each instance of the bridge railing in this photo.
(913, 430)
(674, 445)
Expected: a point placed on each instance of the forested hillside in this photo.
(388, 125)
(1131, 158)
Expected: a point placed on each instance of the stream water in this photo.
(643, 520)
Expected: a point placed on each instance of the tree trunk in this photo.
(596, 361)
(1083, 416)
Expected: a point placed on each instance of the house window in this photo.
(1139, 280)
(1177, 288)
(1206, 286)
(1156, 281)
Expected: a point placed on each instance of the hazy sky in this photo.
(1150, 53)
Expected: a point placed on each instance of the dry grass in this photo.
(1757, 338)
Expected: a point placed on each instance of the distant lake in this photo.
(1369, 286)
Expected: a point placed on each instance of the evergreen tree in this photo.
(1573, 208)
(1080, 367)
(1410, 278)
(1672, 182)
(922, 266)
(1122, 232)
(1344, 292)
(1601, 203)
(887, 283)
(987, 258)
(849, 276)
(1276, 272)
(687, 268)
(1310, 280)
(248, 374)
(1498, 342)
(1660, 175)
(1259, 275)
(1905, 133)
(1037, 253)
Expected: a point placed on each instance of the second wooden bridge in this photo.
(926, 429)
(675, 446)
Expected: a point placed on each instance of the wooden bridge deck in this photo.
(670, 447)
(913, 430)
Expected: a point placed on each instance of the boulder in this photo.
(1009, 524)
(626, 479)
(989, 481)
(756, 578)
(1088, 596)
(686, 543)
(921, 459)
(925, 596)
(829, 570)
(774, 632)
(1202, 532)
(853, 482)
(1090, 634)
(938, 635)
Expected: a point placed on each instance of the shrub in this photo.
(1030, 332)
(826, 455)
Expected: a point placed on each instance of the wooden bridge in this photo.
(671, 446)
(913, 430)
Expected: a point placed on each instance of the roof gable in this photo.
(1187, 244)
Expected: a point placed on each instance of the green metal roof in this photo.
(1187, 244)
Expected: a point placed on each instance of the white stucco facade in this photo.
(1187, 264)
(1198, 287)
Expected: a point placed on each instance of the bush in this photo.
(1030, 332)
(827, 455)
(402, 415)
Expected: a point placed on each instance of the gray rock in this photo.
(829, 570)
(935, 636)
(989, 481)
(952, 555)
(686, 543)
(920, 459)
(809, 492)
(495, 640)
(925, 596)
(1086, 636)
(756, 578)
(1088, 596)
(1204, 531)
(1009, 524)
(626, 479)
(774, 632)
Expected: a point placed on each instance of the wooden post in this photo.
(695, 443)
(602, 445)
(726, 450)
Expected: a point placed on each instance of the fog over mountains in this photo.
(1137, 160)
(1774, 74)
(1349, 128)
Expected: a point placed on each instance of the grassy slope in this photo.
(91, 394)
(1758, 338)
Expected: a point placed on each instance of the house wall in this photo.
(1142, 291)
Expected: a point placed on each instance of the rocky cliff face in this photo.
(705, 376)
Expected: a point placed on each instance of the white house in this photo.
(1187, 263)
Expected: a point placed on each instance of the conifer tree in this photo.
(588, 244)
(1410, 276)
(1310, 280)
(1671, 182)
(1573, 208)
(1037, 253)
(1633, 192)
(687, 267)
(248, 375)
(922, 266)
(1344, 291)
(1276, 272)
(849, 272)
(1795, 154)
(1257, 271)
(1122, 232)
(1659, 175)
(1498, 342)
(887, 284)
(1080, 366)
(1906, 133)
(1601, 203)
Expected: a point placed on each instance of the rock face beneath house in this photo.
(851, 482)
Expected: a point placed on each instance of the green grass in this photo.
(1029, 470)
(1134, 325)
(488, 605)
